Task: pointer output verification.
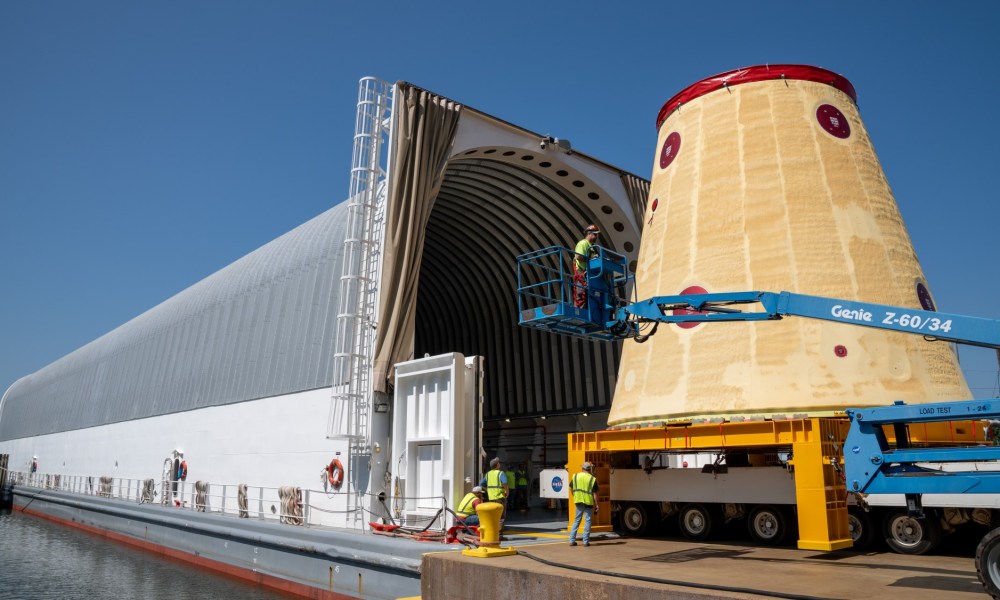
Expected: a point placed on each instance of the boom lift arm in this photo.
(546, 291)
(721, 307)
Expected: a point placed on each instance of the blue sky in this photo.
(145, 145)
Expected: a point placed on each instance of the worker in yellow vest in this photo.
(466, 510)
(522, 488)
(581, 256)
(583, 486)
(495, 484)
(512, 484)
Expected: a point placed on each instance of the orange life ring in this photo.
(182, 471)
(335, 473)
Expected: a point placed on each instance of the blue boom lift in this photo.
(872, 465)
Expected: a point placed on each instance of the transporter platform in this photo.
(648, 569)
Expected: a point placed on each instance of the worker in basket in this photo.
(581, 255)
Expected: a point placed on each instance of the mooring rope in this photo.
(148, 491)
(105, 486)
(241, 500)
(200, 495)
(291, 504)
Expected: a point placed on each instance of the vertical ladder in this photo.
(350, 407)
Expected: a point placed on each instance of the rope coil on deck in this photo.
(241, 500)
(104, 489)
(168, 470)
(291, 504)
(148, 490)
(201, 495)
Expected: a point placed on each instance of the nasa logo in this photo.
(557, 484)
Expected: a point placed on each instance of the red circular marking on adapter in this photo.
(840, 351)
(694, 289)
(671, 147)
(833, 121)
(924, 297)
(656, 202)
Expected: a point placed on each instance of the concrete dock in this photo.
(644, 569)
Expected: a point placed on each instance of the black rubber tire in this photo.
(862, 527)
(906, 535)
(697, 521)
(988, 563)
(768, 525)
(635, 519)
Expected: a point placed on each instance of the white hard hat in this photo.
(477, 490)
(587, 465)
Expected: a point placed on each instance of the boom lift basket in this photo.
(545, 292)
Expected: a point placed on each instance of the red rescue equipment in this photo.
(335, 473)
(182, 471)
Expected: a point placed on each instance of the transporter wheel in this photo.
(907, 535)
(697, 521)
(635, 519)
(859, 523)
(988, 563)
(768, 525)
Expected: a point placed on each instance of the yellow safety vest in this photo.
(511, 480)
(494, 489)
(583, 488)
(522, 481)
(465, 507)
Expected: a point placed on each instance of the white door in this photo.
(429, 473)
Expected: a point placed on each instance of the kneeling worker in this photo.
(467, 507)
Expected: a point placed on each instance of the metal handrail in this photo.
(263, 503)
(551, 271)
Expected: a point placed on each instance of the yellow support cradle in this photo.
(820, 490)
(816, 444)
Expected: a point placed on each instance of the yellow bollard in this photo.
(489, 532)
(489, 523)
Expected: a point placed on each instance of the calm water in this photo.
(40, 560)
